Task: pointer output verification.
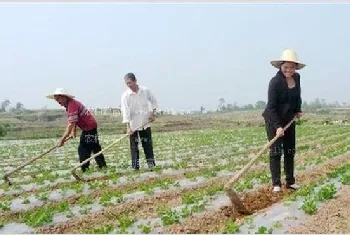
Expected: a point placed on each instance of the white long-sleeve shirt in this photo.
(137, 107)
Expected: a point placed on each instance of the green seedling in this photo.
(5, 205)
(345, 179)
(244, 184)
(111, 197)
(165, 184)
(264, 177)
(277, 225)
(147, 188)
(145, 228)
(190, 198)
(303, 191)
(84, 210)
(2, 223)
(157, 169)
(39, 217)
(250, 221)
(85, 200)
(104, 229)
(191, 175)
(326, 192)
(5, 187)
(168, 216)
(186, 212)
(264, 230)
(62, 207)
(309, 206)
(339, 171)
(43, 196)
(214, 189)
(125, 221)
(18, 187)
(209, 173)
(230, 228)
(70, 214)
(26, 201)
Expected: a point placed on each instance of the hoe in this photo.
(6, 176)
(73, 170)
(235, 200)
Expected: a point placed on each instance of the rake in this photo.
(231, 193)
(6, 176)
(73, 170)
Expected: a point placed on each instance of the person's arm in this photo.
(70, 129)
(298, 109)
(73, 110)
(272, 102)
(124, 108)
(154, 104)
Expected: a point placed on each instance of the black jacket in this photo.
(277, 110)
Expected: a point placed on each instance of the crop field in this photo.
(185, 191)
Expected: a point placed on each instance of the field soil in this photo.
(210, 222)
(332, 217)
(207, 222)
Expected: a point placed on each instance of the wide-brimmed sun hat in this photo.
(288, 55)
(59, 91)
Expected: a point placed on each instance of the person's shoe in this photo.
(276, 189)
(292, 186)
(85, 170)
(150, 167)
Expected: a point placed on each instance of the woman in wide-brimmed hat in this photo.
(284, 102)
(79, 115)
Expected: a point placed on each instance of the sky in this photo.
(188, 55)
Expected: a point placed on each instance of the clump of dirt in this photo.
(262, 198)
(332, 217)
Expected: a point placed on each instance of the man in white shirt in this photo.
(138, 106)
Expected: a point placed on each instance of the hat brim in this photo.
(277, 64)
(52, 96)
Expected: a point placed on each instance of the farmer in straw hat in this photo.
(284, 102)
(79, 116)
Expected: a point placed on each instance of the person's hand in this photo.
(61, 142)
(72, 136)
(129, 131)
(299, 114)
(152, 117)
(279, 132)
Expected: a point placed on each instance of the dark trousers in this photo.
(285, 144)
(89, 143)
(146, 141)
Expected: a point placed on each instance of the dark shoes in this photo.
(292, 186)
(150, 167)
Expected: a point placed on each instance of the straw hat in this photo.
(288, 55)
(59, 91)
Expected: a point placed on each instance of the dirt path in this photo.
(332, 217)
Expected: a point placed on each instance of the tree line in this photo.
(5, 106)
(307, 106)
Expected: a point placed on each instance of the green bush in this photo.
(4, 129)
